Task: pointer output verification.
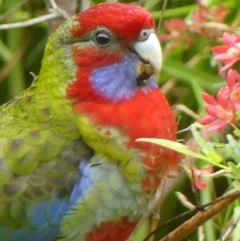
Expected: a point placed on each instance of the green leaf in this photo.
(205, 145)
(149, 5)
(215, 158)
(5, 53)
(236, 132)
(187, 75)
(197, 90)
(174, 12)
(233, 148)
(235, 170)
(236, 215)
(176, 146)
(236, 184)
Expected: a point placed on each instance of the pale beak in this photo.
(150, 51)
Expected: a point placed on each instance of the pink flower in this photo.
(178, 35)
(206, 14)
(234, 87)
(214, 14)
(222, 110)
(228, 53)
(197, 177)
(175, 27)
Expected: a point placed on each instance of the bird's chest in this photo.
(104, 199)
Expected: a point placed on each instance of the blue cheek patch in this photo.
(118, 81)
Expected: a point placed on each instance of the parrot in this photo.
(70, 166)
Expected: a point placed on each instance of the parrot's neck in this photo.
(50, 88)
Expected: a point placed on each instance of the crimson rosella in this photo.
(70, 168)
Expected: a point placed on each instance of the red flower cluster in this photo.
(198, 174)
(223, 109)
(180, 33)
(228, 53)
(214, 14)
(205, 19)
(177, 36)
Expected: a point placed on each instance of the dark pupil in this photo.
(102, 39)
(144, 34)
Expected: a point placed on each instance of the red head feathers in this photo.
(117, 17)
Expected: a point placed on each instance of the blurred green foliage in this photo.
(21, 49)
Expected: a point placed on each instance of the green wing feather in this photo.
(38, 154)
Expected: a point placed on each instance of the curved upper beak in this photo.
(150, 51)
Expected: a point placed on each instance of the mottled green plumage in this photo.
(39, 146)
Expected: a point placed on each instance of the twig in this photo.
(185, 202)
(161, 18)
(201, 217)
(8, 67)
(155, 206)
(155, 203)
(30, 22)
(85, 4)
(62, 12)
(55, 12)
(168, 86)
(53, 4)
(229, 230)
(200, 209)
(187, 111)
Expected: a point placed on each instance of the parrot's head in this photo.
(108, 52)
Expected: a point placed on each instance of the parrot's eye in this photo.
(144, 34)
(102, 38)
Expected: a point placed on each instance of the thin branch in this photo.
(8, 67)
(55, 12)
(85, 4)
(154, 203)
(187, 111)
(201, 217)
(53, 4)
(230, 229)
(199, 209)
(30, 22)
(55, 7)
(161, 18)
